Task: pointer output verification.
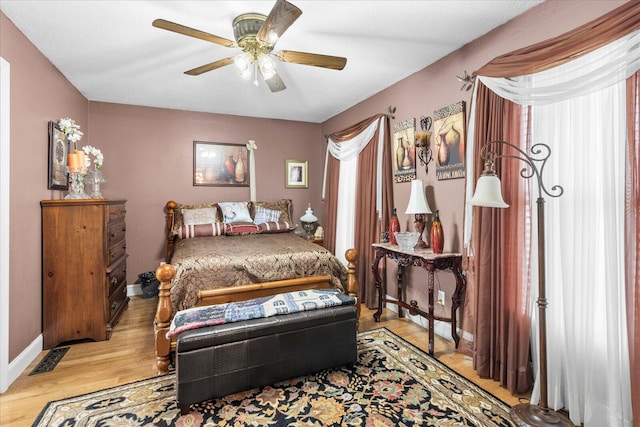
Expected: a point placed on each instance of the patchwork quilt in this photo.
(286, 303)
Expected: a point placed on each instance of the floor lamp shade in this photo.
(488, 189)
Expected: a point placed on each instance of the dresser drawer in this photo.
(115, 232)
(116, 300)
(116, 251)
(117, 276)
(116, 212)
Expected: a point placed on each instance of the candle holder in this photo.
(76, 185)
(95, 179)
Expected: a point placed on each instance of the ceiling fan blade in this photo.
(210, 67)
(187, 31)
(275, 83)
(280, 18)
(314, 59)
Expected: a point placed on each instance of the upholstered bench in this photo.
(222, 359)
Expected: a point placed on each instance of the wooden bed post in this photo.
(171, 238)
(353, 287)
(164, 313)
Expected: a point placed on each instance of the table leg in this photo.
(456, 299)
(431, 313)
(378, 282)
(400, 278)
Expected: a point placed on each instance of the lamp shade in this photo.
(417, 202)
(267, 67)
(309, 216)
(488, 189)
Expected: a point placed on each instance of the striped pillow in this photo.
(200, 222)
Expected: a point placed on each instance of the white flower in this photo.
(71, 129)
(98, 158)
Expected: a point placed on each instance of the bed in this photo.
(225, 252)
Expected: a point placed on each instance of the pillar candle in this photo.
(80, 156)
(72, 160)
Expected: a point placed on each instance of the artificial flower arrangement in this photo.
(79, 160)
(98, 158)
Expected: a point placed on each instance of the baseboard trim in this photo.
(134, 290)
(440, 328)
(18, 365)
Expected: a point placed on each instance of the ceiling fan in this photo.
(256, 35)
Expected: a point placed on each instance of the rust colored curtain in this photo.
(632, 229)
(368, 224)
(487, 275)
(498, 279)
(558, 50)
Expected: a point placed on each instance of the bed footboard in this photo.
(164, 313)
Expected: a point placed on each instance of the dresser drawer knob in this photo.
(114, 305)
(114, 281)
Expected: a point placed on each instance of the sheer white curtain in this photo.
(347, 152)
(579, 111)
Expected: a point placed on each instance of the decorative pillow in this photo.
(199, 216)
(263, 215)
(177, 215)
(200, 222)
(275, 227)
(233, 212)
(241, 229)
(283, 205)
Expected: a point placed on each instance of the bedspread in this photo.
(222, 261)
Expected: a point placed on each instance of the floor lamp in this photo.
(489, 194)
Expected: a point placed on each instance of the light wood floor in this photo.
(129, 356)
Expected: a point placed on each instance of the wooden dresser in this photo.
(84, 264)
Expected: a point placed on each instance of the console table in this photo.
(431, 262)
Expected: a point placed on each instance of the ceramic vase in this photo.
(394, 225)
(437, 235)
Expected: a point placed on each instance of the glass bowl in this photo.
(407, 239)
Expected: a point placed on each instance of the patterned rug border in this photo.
(124, 386)
(426, 353)
(364, 334)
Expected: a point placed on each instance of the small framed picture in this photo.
(296, 174)
(58, 149)
(218, 164)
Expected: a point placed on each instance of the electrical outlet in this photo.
(441, 297)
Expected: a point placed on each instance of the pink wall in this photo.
(148, 152)
(435, 87)
(149, 161)
(39, 93)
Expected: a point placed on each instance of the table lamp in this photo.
(308, 222)
(419, 207)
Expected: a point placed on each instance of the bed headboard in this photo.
(174, 217)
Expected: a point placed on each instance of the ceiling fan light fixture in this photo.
(267, 66)
(243, 64)
(272, 38)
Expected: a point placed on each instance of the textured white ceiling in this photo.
(111, 53)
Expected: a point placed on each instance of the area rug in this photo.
(392, 384)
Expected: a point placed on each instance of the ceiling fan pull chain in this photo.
(255, 73)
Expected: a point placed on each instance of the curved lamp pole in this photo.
(489, 194)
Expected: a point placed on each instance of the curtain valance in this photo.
(347, 144)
